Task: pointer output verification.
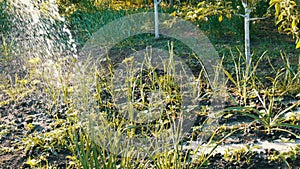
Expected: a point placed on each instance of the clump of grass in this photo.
(272, 117)
(241, 81)
(287, 78)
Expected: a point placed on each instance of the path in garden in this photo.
(259, 146)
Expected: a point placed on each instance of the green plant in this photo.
(88, 154)
(38, 162)
(241, 80)
(236, 155)
(95, 143)
(52, 141)
(287, 78)
(287, 17)
(16, 89)
(269, 118)
(287, 156)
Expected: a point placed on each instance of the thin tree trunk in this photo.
(247, 36)
(156, 2)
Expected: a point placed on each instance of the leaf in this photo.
(230, 77)
(201, 3)
(173, 14)
(298, 45)
(277, 9)
(128, 3)
(294, 23)
(228, 15)
(190, 13)
(272, 2)
(220, 18)
(32, 162)
(199, 10)
(228, 116)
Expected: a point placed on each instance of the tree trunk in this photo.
(156, 2)
(247, 36)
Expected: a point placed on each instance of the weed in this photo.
(270, 119)
(16, 89)
(287, 156)
(287, 79)
(242, 81)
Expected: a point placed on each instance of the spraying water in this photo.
(34, 31)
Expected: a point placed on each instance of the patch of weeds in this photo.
(287, 78)
(235, 156)
(265, 107)
(288, 157)
(16, 89)
(18, 86)
(84, 23)
(99, 141)
(88, 154)
(174, 158)
(52, 141)
(40, 148)
(241, 81)
(268, 116)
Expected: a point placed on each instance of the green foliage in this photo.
(235, 156)
(286, 81)
(16, 89)
(206, 9)
(287, 17)
(84, 24)
(270, 119)
(52, 142)
(284, 156)
(242, 82)
(68, 7)
(286, 13)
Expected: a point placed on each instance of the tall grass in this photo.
(119, 137)
(272, 117)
